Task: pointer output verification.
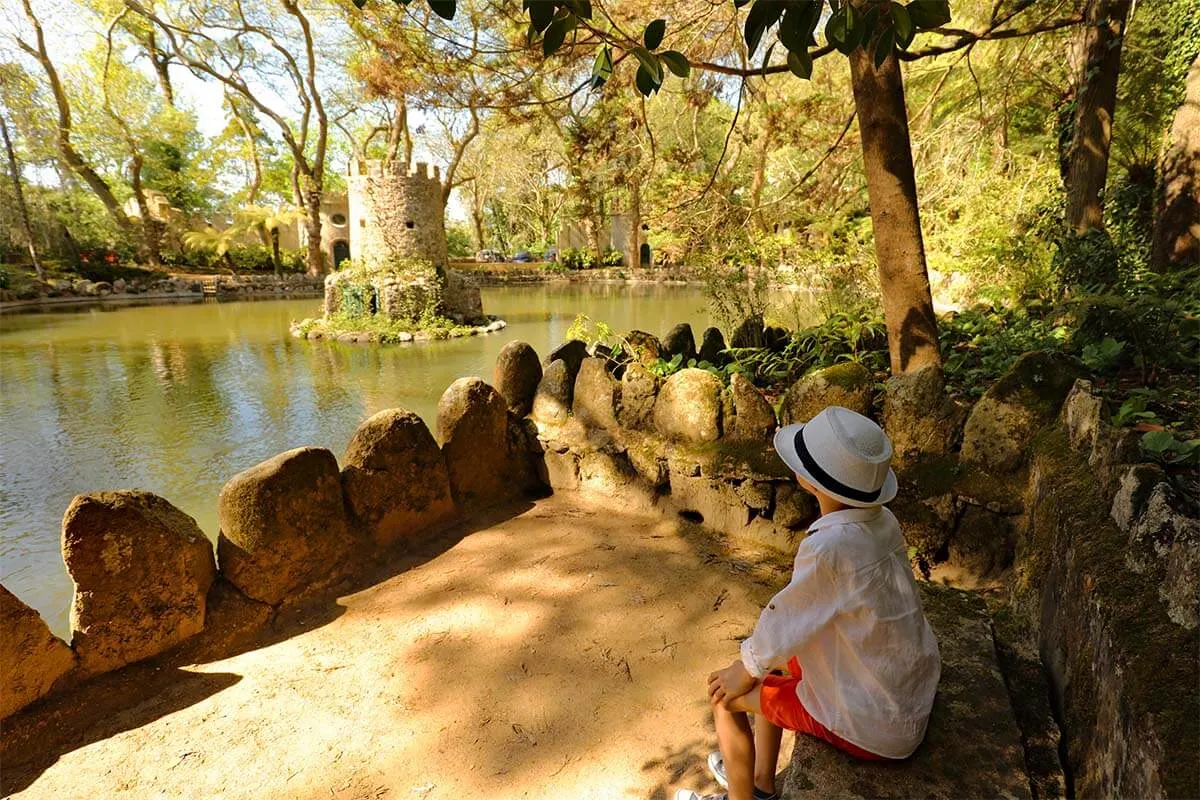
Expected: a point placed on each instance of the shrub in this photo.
(613, 258)
(576, 258)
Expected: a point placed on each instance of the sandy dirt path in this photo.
(560, 653)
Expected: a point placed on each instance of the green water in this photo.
(176, 399)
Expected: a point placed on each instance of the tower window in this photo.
(338, 219)
(408, 224)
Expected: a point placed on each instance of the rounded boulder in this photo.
(142, 569)
(645, 348)
(552, 400)
(596, 395)
(754, 419)
(639, 388)
(680, 341)
(688, 407)
(516, 376)
(998, 429)
(571, 353)
(712, 347)
(848, 385)
(472, 423)
(32, 659)
(394, 477)
(283, 525)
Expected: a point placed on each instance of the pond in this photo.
(176, 399)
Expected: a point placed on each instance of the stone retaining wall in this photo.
(62, 291)
(293, 529)
(1030, 489)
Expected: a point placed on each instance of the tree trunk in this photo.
(66, 150)
(1176, 240)
(892, 193)
(312, 209)
(759, 178)
(633, 245)
(252, 144)
(477, 226)
(161, 61)
(22, 209)
(275, 257)
(1095, 102)
(152, 229)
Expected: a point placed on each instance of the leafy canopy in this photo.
(879, 26)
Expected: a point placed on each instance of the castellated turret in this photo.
(396, 213)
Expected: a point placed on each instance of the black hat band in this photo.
(826, 480)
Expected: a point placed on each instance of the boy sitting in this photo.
(863, 663)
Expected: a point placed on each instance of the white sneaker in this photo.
(716, 765)
(685, 794)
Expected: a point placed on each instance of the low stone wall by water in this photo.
(226, 286)
(292, 528)
(1030, 489)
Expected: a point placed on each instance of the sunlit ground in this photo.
(560, 653)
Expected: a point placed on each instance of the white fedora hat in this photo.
(842, 453)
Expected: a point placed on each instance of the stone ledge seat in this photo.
(973, 745)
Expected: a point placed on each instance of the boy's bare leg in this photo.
(767, 739)
(736, 741)
(739, 744)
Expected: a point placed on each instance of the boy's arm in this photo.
(792, 616)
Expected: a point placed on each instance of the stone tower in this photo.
(394, 213)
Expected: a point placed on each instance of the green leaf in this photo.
(926, 14)
(844, 30)
(540, 15)
(653, 35)
(763, 14)
(646, 82)
(903, 25)
(582, 8)
(556, 34)
(602, 68)
(795, 29)
(443, 8)
(1157, 441)
(676, 62)
(651, 63)
(800, 63)
(884, 45)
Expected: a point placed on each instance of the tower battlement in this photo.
(396, 212)
(375, 168)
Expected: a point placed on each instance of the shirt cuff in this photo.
(750, 661)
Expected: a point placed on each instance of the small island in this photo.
(398, 286)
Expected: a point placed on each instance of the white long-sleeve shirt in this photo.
(852, 617)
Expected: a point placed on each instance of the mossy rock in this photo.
(1022, 401)
(849, 385)
(1115, 657)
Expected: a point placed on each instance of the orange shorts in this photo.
(782, 707)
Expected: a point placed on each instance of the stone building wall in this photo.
(396, 213)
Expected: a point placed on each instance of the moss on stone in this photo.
(847, 375)
(1039, 381)
(1157, 676)
(739, 458)
(931, 475)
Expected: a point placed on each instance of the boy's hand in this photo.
(730, 683)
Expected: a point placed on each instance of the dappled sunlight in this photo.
(562, 651)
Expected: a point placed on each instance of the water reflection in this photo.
(176, 399)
